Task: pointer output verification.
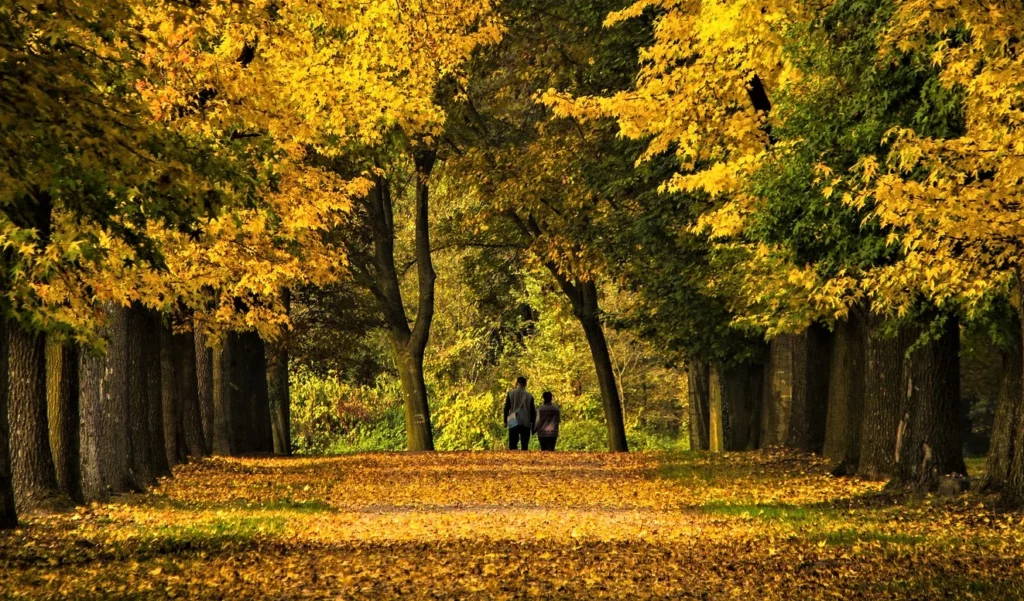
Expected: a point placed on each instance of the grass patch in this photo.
(701, 466)
(976, 467)
(212, 534)
(849, 537)
(781, 513)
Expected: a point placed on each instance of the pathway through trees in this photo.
(502, 525)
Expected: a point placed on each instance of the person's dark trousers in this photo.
(547, 443)
(517, 434)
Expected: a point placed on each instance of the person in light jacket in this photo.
(520, 407)
(549, 416)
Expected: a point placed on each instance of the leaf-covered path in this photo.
(507, 525)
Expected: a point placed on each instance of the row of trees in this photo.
(841, 180)
(848, 179)
(174, 171)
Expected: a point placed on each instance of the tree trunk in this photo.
(204, 377)
(8, 511)
(188, 394)
(778, 403)
(810, 389)
(277, 386)
(115, 451)
(1007, 414)
(846, 395)
(91, 368)
(138, 399)
(742, 398)
(62, 404)
(149, 348)
(884, 396)
(223, 434)
(716, 409)
(35, 478)
(697, 393)
(170, 394)
(610, 401)
(928, 439)
(735, 394)
(407, 343)
(419, 436)
(249, 403)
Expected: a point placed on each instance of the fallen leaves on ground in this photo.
(765, 525)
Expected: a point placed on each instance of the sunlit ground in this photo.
(506, 525)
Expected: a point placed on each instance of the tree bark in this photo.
(884, 397)
(91, 368)
(277, 386)
(149, 348)
(187, 387)
(735, 394)
(223, 434)
(175, 446)
(204, 377)
(697, 393)
(716, 409)
(1012, 495)
(846, 395)
(62, 404)
(8, 510)
(407, 343)
(115, 449)
(778, 404)
(35, 478)
(610, 401)
(249, 400)
(1007, 414)
(929, 444)
(138, 399)
(810, 389)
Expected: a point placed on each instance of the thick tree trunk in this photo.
(928, 439)
(249, 403)
(149, 348)
(810, 389)
(204, 376)
(742, 397)
(277, 386)
(115, 450)
(697, 393)
(138, 399)
(884, 396)
(8, 511)
(610, 401)
(846, 395)
(188, 394)
(223, 434)
(778, 401)
(735, 394)
(91, 368)
(1013, 487)
(175, 446)
(62, 403)
(1007, 414)
(35, 478)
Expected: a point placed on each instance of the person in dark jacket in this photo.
(520, 415)
(549, 416)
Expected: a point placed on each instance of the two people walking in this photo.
(523, 418)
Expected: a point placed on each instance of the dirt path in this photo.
(512, 525)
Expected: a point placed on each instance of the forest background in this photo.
(326, 227)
